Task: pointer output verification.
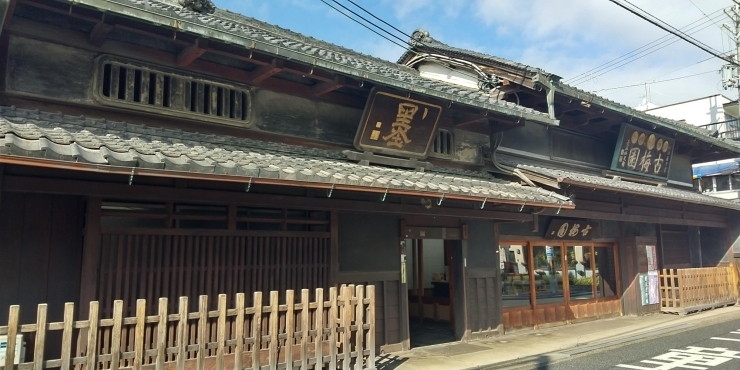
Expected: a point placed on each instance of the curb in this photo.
(535, 361)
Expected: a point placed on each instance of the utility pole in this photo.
(730, 73)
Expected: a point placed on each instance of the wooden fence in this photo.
(338, 333)
(688, 290)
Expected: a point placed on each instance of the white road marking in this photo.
(727, 339)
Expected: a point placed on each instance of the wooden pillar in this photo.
(90, 255)
(2, 171)
(334, 249)
(420, 277)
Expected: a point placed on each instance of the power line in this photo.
(364, 25)
(674, 32)
(384, 22)
(661, 40)
(365, 19)
(654, 82)
(664, 45)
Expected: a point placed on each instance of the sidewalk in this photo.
(553, 343)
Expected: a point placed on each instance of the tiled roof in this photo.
(97, 141)
(250, 33)
(421, 41)
(582, 179)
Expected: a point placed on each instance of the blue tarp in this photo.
(716, 169)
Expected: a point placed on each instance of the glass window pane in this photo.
(514, 275)
(580, 272)
(706, 184)
(606, 277)
(723, 183)
(548, 274)
(735, 182)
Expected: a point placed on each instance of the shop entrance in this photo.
(430, 277)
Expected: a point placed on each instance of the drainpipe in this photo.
(547, 83)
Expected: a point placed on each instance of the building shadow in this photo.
(388, 362)
(542, 363)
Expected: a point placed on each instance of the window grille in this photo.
(444, 143)
(158, 90)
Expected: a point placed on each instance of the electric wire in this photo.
(659, 40)
(666, 41)
(675, 32)
(654, 82)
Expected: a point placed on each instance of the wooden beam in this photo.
(322, 88)
(90, 254)
(100, 33)
(7, 8)
(471, 121)
(192, 52)
(262, 73)
(164, 193)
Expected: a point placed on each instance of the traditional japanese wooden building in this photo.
(151, 150)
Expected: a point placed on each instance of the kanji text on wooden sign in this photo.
(571, 229)
(397, 125)
(643, 152)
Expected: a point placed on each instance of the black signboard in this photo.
(397, 125)
(642, 152)
(571, 229)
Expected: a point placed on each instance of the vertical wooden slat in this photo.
(159, 90)
(144, 87)
(38, 347)
(334, 249)
(359, 335)
(319, 327)
(257, 330)
(420, 277)
(139, 333)
(371, 320)
(115, 75)
(221, 332)
(13, 315)
(69, 311)
(92, 336)
(346, 323)
(304, 328)
(289, 328)
(162, 333)
(130, 73)
(182, 332)
(239, 329)
(274, 298)
(202, 331)
(115, 350)
(333, 329)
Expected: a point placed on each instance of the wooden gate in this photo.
(338, 333)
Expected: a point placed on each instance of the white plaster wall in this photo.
(696, 112)
(433, 262)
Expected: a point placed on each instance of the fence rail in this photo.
(688, 290)
(338, 333)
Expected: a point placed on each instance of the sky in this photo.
(563, 37)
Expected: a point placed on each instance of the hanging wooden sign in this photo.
(397, 125)
(642, 152)
(571, 229)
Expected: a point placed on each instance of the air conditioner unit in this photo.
(20, 349)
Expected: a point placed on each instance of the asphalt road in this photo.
(713, 346)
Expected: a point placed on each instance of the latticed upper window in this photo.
(444, 143)
(157, 89)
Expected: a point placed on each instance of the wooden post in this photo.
(289, 329)
(115, 346)
(420, 277)
(182, 333)
(92, 336)
(319, 328)
(239, 328)
(304, 329)
(13, 327)
(359, 322)
(333, 329)
(257, 331)
(69, 310)
(334, 249)
(139, 333)
(274, 314)
(90, 254)
(221, 332)
(202, 331)
(38, 347)
(371, 320)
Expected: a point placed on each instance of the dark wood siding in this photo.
(41, 251)
(482, 280)
(676, 252)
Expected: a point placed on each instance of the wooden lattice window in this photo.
(160, 90)
(444, 143)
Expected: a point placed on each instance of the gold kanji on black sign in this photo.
(397, 125)
(643, 152)
(571, 229)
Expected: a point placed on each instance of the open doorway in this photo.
(430, 291)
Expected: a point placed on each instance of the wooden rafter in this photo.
(100, 33)
(262, 73)
(322, 88)
(192, 52)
